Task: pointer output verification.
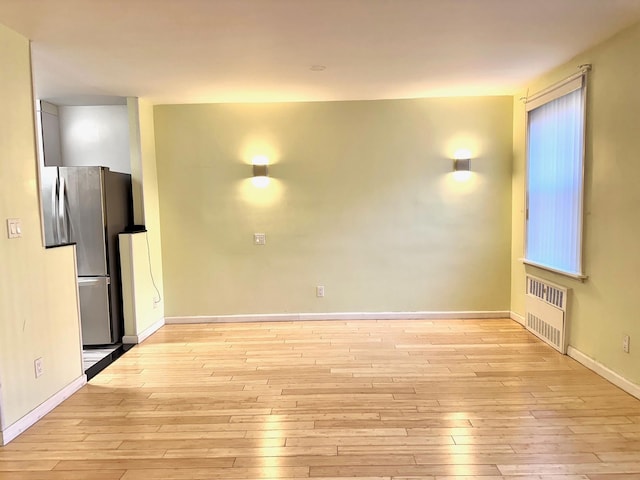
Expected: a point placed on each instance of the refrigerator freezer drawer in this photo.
(94, 310)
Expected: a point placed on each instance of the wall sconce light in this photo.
(260, 171)
(462, 161)
(462, 165)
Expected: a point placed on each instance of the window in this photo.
(555, 177)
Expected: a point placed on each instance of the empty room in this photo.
(319, 239)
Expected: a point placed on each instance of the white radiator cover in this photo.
(546, 312)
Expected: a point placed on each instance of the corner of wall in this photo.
(145, 296)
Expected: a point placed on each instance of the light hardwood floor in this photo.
(374, 400)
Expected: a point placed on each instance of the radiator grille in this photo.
(544, 329)
(546, 312)
(552, 294)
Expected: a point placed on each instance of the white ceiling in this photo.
(193, 51)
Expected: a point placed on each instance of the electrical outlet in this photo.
(320, 291)
(259, 239)
(38, 367)
(625, 344)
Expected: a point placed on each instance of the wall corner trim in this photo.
(142, 336)
(517, 317)
(605, 372)
(292, 317)
(12, 431)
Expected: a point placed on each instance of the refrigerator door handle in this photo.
(92, 281)
(62, 213)
(54, 210)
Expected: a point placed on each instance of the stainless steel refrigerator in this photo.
(90, 206)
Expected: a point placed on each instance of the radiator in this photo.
(546, 312)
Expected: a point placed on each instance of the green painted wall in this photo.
(606, 306)
(362, 200)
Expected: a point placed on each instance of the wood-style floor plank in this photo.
(366, 400)
(61, 475)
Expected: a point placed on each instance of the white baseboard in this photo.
(12, 431)
(292, 317)
(518, 318)
(615, 378)
(142, 336)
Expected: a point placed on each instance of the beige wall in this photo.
(142, 303)
(362, 201)
(606, 306)
(142, 260)
(38, 295)
(151, 211)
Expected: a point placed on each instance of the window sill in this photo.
(576, 276)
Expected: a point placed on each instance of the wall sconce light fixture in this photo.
(462, 165)
(260, 171)
(462, 161)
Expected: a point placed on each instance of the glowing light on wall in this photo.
(462, 165)
(261, 197)
(260, 171)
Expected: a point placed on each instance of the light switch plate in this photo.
(14, 228)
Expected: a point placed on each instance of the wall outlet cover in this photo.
(38, 367)
(259, 239)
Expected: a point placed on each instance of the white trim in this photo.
(562, 88)
(142, 336)
(605, 372)
(292, 317)
(517, 317)
(550, 93)
(12, 431)
(576, 276)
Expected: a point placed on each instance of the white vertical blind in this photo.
(555, 183)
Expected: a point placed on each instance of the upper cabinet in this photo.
(50, 124)
(87, 135)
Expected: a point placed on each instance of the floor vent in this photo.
(546, 312)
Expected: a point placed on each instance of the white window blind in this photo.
(555, 176)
